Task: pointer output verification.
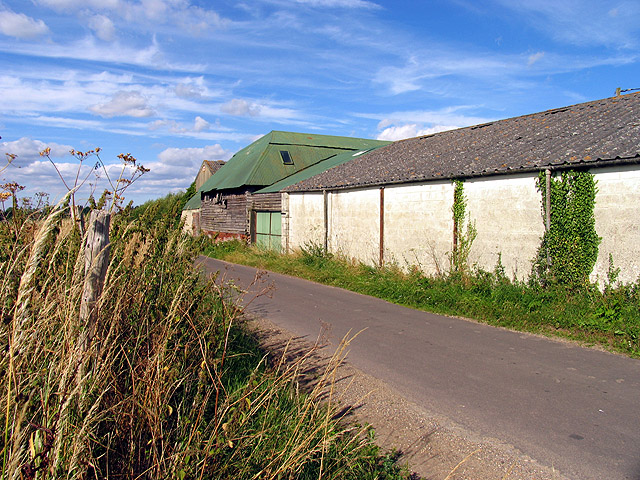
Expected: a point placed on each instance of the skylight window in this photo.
(286, 157)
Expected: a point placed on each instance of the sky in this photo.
(175, 82)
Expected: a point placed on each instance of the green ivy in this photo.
(569, 248)
(462, 238)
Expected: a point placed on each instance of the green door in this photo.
(269, 230)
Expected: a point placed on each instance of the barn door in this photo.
(269, 230)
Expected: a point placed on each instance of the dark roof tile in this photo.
(601, 130)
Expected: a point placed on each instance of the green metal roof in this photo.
(320, 167)
(193, 203)
(260, 163)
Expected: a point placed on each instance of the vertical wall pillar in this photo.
(326, 221)
(284, 208)
(381, 226)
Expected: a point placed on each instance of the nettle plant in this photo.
(569, 248)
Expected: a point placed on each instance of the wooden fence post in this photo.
(96, 261)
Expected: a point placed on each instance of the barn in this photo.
(191, 211)
(394, 204)
(228, 207)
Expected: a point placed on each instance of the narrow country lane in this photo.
(571, 408)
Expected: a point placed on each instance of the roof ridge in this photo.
(526, 115)
(595, 133)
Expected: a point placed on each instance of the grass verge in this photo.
(171, 385)
(610, 319)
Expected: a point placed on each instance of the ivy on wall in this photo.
(569, 248)
(462, 237)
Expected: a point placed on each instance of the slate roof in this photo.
(599, 132)
(213, 165)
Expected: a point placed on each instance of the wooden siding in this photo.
(203, 175)
(228, 216)
(266, 202)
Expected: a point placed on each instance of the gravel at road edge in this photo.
(432, 446)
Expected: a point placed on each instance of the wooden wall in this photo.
(228, 216)
(232, 215)
(266, 202)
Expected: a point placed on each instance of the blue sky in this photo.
(175, 82)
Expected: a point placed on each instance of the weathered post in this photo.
(326, 221)
(96, 260)
(381, 253)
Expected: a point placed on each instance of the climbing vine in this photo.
(462, 238)
(569, 248)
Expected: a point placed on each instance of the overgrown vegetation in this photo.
(172, 385)
(610, 318)
(569, 247)
(463, 237)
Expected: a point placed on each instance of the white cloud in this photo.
(157, 124)
(191, 90)
(28, 150)
(109, 78)
(408, 124)
(411, 130)
(341, 3)
(123, 103)
(419, 69)
(200, 124)
(447, 117)
(36, 172)
(88, 49)
(103, 27)
(240, 107)
(174, 170)
(263, 111)
(189, 157)
(148, 14)
(73, 93)
(196, 20)
(533, 58)
(66, 5)
(18, 25)
(582, 22)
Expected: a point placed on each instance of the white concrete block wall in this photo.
(418, 226)
(354, 224)
(506, 211)
(617, 213)
(187, 217)
(507, 214)
(305, 219)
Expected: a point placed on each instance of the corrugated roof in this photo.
(320, 167)
(260, 163)
(193, 203)
(602, 130)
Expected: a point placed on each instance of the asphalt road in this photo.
(571, 408)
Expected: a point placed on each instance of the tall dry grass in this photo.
(170, 387)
